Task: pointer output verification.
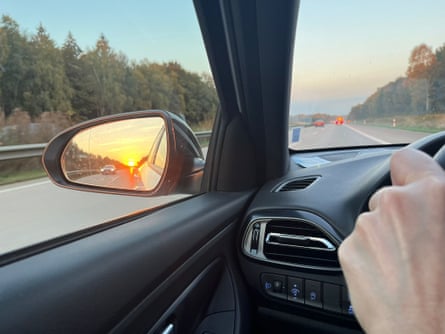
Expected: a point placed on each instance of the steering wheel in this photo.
(440, 157)
(433, 145)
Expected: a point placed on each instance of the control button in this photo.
(331, 297)
(295, 289)
(267, 283)
(313, 293)
(274, 285)
(277, 286)
(346, 306)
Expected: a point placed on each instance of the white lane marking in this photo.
(24, 187)
(368, 136)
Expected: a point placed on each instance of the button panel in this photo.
(322, 295)
(274, 285)
(295, 290)
(332, 297)
(313, 293)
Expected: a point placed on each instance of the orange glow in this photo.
(125, 142)
(340, 120)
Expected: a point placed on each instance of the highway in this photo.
(352, 135)
(38, 210)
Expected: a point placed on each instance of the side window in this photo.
(93, 67)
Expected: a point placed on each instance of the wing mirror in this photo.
(145, 153)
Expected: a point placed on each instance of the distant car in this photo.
(318, 123)
(339, 120)
(108, 169)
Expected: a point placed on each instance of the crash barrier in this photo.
(36, 150)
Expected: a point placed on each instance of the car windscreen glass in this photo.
(372, 76)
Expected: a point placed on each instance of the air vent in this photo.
(299, 242)
(297, 184)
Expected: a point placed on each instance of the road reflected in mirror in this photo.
(128, 154)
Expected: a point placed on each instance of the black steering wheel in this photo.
(433, 145)
(440, 157)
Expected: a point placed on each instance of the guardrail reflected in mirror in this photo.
(127, 154)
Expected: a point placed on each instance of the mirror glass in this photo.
(128, 154)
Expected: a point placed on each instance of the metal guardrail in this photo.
(36, 150)
(21, 151)
(203, 134)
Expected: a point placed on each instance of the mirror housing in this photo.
(183, 163)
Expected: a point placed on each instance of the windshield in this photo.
(367, 73)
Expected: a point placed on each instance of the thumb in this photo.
(408, 165)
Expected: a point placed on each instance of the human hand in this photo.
(393, 261)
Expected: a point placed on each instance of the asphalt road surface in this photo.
(38, 210)
(356, 135)
(35, 211)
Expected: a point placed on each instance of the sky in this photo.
(125, 141)
(160, 31)
(344, 50)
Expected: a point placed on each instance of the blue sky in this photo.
(344, 50)
(157, 30)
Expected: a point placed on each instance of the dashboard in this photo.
(293, 228)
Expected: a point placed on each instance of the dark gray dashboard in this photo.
(294, 226)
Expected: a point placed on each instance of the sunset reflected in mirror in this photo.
(128, 154)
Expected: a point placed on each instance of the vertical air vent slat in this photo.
(296, 184)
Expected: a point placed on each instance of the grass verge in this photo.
(430, 123)
(17, 170)
(12, 177)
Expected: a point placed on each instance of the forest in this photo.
(420, 92)
(45, 88)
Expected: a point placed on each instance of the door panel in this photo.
(127, 276)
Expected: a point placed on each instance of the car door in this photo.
(175, 269)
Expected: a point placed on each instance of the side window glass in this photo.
(62, 64)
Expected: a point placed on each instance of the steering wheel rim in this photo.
(440, 157)
(433, 145)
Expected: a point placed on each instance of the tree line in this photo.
(37, 77)
(421, 91)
